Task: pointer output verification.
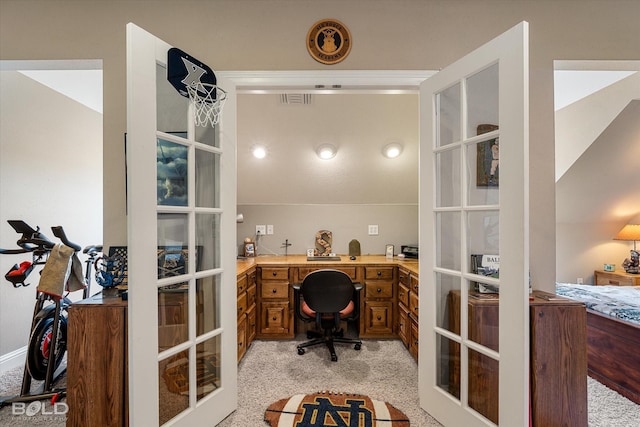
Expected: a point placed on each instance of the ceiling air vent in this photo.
(295, 98)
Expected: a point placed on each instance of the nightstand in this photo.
(617, 278)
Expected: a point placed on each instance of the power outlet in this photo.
(373, 230)
(261, 229)
(269, 229)
(579, 281)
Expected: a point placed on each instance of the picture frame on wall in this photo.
(488, 159)
(488, 163)
(249, 249)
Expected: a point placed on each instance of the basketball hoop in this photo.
(208, 101)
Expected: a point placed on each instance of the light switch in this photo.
(373, 230)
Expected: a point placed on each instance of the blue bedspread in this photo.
(622, 302)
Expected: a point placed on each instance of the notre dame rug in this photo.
(333, 409)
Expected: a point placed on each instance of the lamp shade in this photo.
(629, 232)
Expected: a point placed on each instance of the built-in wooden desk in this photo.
(276, 275)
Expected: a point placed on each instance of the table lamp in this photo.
(630, 232)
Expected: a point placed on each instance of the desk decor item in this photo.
(333, 409)
(324, 239)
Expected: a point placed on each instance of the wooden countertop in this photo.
(243, 265)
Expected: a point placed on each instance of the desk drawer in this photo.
(242, 304)
(606, 278)
(303, 271)
(275, 290)
(382, 273)
(241, 284)
(375, 289)
(275, 273)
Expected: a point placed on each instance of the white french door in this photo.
(181, 197)
(474, 213)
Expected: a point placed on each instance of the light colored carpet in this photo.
(384, 370)
(273, 370)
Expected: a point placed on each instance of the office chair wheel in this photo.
(334, 357)
(357, 346)
(301, 351)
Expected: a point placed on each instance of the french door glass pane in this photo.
(448, 178)
(208, 368)
(482, 101)
(173, 385)
(173, 243)
(449, 116)
(483, 385)
(446, 313)
(483, 232)
(448, 240)
(208, 241)
(173, 309)
(172, 172)
(448, 365)
(171, 114)
(208, 135)
(208, 304)
(207, 179)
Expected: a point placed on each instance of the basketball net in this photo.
(208, 101)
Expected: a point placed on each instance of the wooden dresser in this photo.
(97, 392)
(558, 359)
(616, 278)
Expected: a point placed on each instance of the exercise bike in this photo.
(48, 334)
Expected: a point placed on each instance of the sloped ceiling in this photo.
(603, 185)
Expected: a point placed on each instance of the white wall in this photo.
(50, 174)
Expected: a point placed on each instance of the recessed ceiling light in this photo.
(259, 152)
(392, 150)
(326, 151)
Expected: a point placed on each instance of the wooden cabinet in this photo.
(97, 392)
(408, 300)
(558, 359)
(246, 308)
(275, 303)
(378, 302)
(617, 278)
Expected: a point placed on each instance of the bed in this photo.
(613, 334)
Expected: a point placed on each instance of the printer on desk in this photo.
(409, 251)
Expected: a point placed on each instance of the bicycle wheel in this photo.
(40, 344)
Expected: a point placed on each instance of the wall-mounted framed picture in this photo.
(249, 249)
(488, 159)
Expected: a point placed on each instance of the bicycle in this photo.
(48, 334)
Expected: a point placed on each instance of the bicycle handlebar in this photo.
(58, 231)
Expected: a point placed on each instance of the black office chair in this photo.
(328, 297)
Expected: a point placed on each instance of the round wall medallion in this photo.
(329, 41)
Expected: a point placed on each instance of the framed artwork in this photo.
(249, 249)
(488, 163)
(488, 159)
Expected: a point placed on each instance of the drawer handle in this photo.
(379, 273)
(274, 290)
(239, 343)
(274, 318)
(379, 318)
(275, 273)
(379, 290)
(239, 309)
(401, 294)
